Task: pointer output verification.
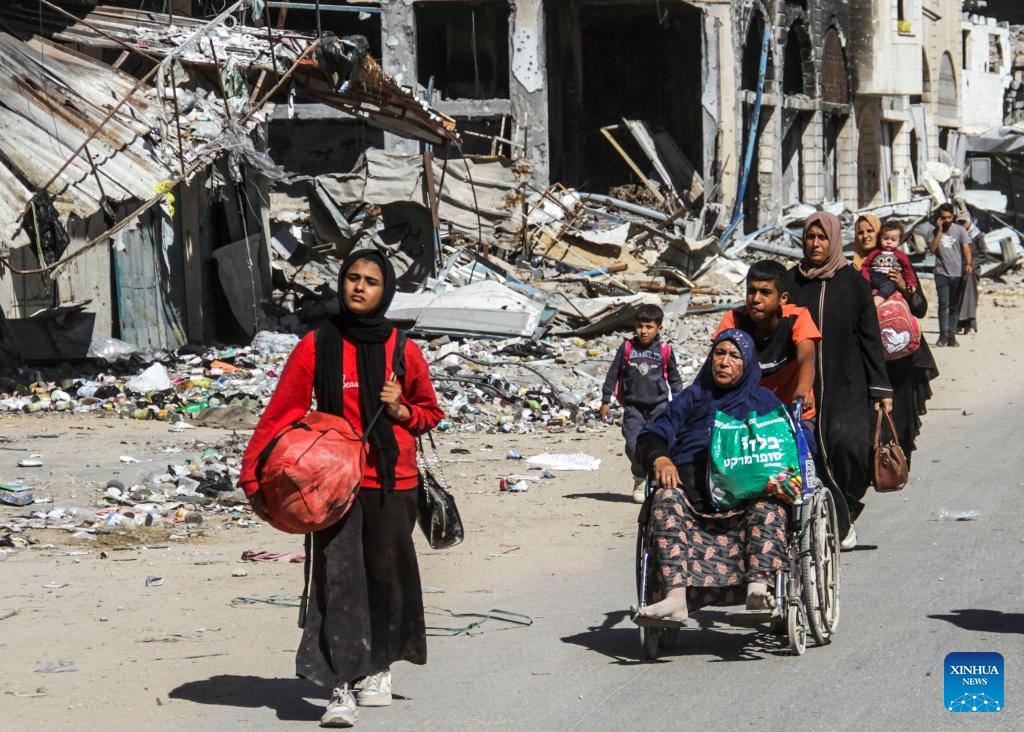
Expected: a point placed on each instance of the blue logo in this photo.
(974, 682)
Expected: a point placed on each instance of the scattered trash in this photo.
(40, 692)
(513, 454)
(945, 514)
(513, 486)
(473, 628)
(55, 585)
(54, 667)
(575, 461)
(30, 463)
(239, 573)
(251, 555)
(277, 600)
(15, 493)
(154, 581)
(154, 378)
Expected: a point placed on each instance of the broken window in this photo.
(752, 55)
(995, 54)
(597, 78)
(797, 49)
(794, 124)
(463, 47)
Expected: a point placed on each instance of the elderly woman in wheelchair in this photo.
(724, 463)
(709, 550)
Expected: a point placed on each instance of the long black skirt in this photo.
(364, 608)
(911, 389)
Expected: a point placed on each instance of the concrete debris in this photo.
(202, 482)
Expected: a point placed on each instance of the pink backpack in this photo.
(901, 333)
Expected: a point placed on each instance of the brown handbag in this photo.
(889, 464)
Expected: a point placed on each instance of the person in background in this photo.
(643, 377)
(969, 299)
(865, 237)
(952, 249)
(851, 381)
(910, 376)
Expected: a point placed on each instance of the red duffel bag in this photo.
(310, 473)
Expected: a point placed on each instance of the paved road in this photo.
(915, 590)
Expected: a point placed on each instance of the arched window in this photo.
(752, 54)
(947, 106)
(797, 70)
(835, 86)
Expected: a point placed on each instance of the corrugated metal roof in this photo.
(376, 97)
(51, 99)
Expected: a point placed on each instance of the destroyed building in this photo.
(987, 63)
(907, 91)
(136, 180)
(238, 157)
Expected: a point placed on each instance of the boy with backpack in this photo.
(644, 378)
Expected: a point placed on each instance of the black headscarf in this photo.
(370, 333)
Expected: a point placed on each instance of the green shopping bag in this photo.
(745, 453)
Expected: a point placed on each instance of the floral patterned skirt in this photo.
(714, 556)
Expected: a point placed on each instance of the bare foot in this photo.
(672, 608)
(758, 596)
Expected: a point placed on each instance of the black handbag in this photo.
(437, 513)
(918, 304)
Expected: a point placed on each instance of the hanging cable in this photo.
(319, 28)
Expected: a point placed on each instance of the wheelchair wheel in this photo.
(819, 565)
(796, 628)
(649, 637)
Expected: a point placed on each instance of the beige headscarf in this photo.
(836, 259)
(876, 224)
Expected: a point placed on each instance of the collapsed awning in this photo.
(373, 96)
(51, 101)
(999, 141)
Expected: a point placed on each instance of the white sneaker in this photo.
(638, 490)
(849, 541)
(341, 709)
(375, 690)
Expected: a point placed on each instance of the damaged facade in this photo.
(857, 97)
(136, 179)
(217, 199)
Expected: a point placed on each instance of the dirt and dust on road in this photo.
(103, 628)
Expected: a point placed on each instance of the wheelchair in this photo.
(807, 586)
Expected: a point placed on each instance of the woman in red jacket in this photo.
(364, 605)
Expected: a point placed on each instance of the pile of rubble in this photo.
(200, 482)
